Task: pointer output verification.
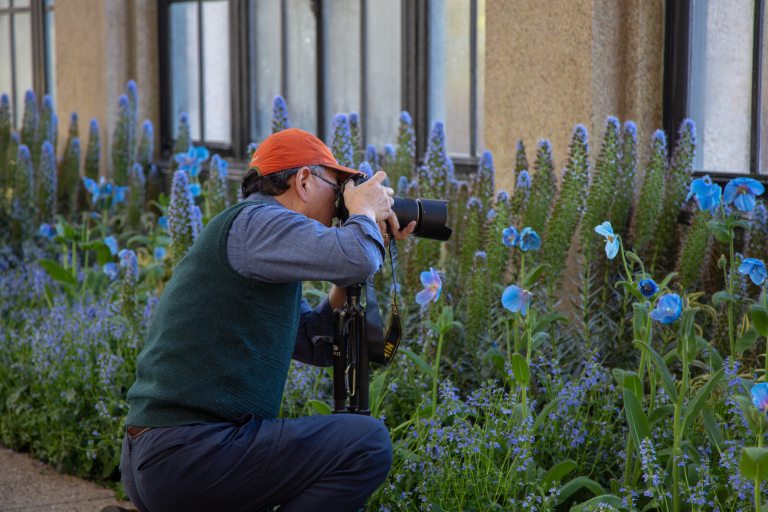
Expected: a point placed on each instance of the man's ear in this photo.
(301, 183)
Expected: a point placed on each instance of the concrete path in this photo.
(30, 486)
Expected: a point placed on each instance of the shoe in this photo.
(115, 508)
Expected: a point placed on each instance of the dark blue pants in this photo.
(314, 463)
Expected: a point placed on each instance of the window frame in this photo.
(41, 79)
(677, 71)
(414, 76)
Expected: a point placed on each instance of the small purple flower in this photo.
(611, 240)
(509, 236)
(741, 192)
(111, 243)
(760, 397)
(516, 299)
(111, 270)
(528, 240)
(668, 309)
(755, 269)
(648, 287)
(707, 193)
(523, 180)
(47, 231)
(432, 287)
(128, 261)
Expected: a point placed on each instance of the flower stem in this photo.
(758, 498)
(436, 371)
(731, 339)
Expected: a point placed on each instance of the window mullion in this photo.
(757, 66)
(201, 68)
(473, 78)
(363, 71)
(319, 19)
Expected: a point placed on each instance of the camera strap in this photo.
(382, 348)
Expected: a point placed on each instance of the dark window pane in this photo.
(217, 104)
(721, 84)
(265, 67)
(185, 94)
(301, 90)
(341, 22)
(383, 69)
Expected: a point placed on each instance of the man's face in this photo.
(323, 195)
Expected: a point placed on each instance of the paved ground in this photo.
(30, 486)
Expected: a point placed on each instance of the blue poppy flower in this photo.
(192, 159)
(707, 193)
(432, 287)
(111, 270)
(755, 269)
(162, 222)
(47, 231)
(160, 252)
(516, 299)
(668, 309)
(648, 287)
(111, 243)
(223, 166)
(741, 192)
(92, 187)
(611, 240)
(120, 194)
(528, 240)
(195, 189)
(759, 394)
(509, 236)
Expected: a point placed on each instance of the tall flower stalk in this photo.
(182, 222)
(121, 157)
(279, 115)
(93, 153)
(649, 203)
(47, 188)
(341, 141)
(405, 155)
(543, 189)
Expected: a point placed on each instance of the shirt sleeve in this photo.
(273, 244)
(314, 341)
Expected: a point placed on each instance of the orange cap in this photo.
(291, 148)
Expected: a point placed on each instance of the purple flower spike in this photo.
(741, 192)
(432, 287)
(516, 299)
(755, 269)
(760, 397)
(509, 236)
(668, 309)
(611, 240)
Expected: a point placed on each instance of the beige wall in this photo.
(100, 45)
(553, 64)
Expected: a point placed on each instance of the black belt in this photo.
(134, 431)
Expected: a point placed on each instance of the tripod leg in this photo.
(339, 364)
(362, 367)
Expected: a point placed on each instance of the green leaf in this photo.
(638, 422)
(754, 463)
(520, 370)
(628, 380)
(557, 473)
(661, 367)
(713, 356)
(666, 280)
(741, 223)
(698, 401)
(720, 297)
(608, 499)
(418, 361)
(633, 257)
(58, 273)
(377, 392)
(320, 407)
(661, 412)
(639, 316)
(539, 339)
(138, 240)
(750, 412)
(711, 427)
(760, 319)
(546, 411)
(577, 484)
(746, 341)
(532, 275)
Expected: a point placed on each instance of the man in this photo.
(202, 430)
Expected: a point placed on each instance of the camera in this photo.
(431, 215)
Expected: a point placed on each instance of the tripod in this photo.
(350, 356)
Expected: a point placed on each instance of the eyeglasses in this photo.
(336, 188)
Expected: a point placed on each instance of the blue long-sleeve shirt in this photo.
(273, 244)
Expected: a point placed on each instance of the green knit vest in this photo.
(219, 344)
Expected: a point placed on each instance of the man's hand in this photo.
(370, 198)
(394, 228)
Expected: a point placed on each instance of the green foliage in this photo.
(356, 139)
(46, 131)
(30, 121)
(474, 223)
(48, 185)
(405, 156)
(24, 209)
(478, 302)
(601, 191)
(121, 157)
(621, 211)
(132, 91)
(5, 142)
(483, 181)
(521, 161)
(676, 185)
(440, 168)
(689, 265)
(183, 136)
(69, 178)
(650, 201)
(93, 153)
(341, 141)
(146, 145)
(569, 206)
(137, 195)
(215, 186)
(279, 115)
(498, 253)
(181, 224)
(543, 190)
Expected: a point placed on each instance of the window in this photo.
(713, 74)
(373, 57)
(27, 59)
